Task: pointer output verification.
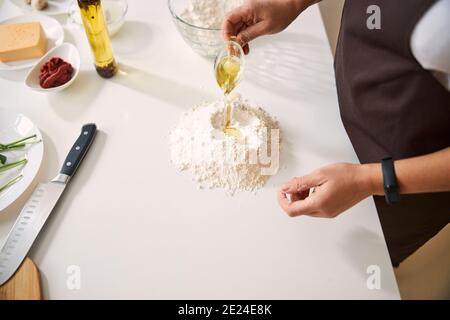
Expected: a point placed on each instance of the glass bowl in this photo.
(205, 41)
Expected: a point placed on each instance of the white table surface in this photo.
(137, 228)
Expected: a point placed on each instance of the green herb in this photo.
(19, 143)
(11, 165)
(10, 183)
(19, 146)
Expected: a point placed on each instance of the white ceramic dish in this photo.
(53, 31)
(113, 10)
(14, 126)
(55, 7)
(69, 53)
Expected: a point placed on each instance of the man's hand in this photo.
(329, 191)
(259, 17)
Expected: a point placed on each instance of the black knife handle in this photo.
(79, 149)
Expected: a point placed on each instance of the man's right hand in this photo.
(259, 17)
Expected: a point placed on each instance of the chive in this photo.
(13, 165)
(14, 147)
(10, 183)
(20, 145)
(2, 159)
(21, 142)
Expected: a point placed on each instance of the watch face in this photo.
(392, 195)
(390, 181)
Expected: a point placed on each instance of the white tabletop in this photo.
(137, 228)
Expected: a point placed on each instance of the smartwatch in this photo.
(391, 192)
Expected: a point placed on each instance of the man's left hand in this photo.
(330, 190)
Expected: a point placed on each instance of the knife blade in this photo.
(39, 207)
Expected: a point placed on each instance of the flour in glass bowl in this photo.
(202, 28)
(208, 13)
(199, 146)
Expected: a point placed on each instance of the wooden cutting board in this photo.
(25, 284)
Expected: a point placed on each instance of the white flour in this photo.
(208, 13)
(207, 16)
(215, 160)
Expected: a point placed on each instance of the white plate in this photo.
(14, 126)
(53, 31)
(54, 7)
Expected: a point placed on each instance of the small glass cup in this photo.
(231, 50)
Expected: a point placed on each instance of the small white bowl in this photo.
(66, 51)
(114, 12)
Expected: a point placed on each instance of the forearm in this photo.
(427, 173)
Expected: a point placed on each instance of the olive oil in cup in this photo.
(229, 67)
(97, 34)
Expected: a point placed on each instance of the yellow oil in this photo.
(228, 71)
(227, 128)
(97, 34)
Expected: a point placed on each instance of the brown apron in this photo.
(391, 106)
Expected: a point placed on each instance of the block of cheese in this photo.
(21, 41)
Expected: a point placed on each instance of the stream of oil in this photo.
(227, 75)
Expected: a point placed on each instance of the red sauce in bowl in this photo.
(55, 73)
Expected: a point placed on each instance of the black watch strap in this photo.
(391, 192)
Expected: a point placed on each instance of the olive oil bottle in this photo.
(97, 34)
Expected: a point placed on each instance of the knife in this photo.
(39, 206)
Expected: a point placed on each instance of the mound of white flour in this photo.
(216, 160)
